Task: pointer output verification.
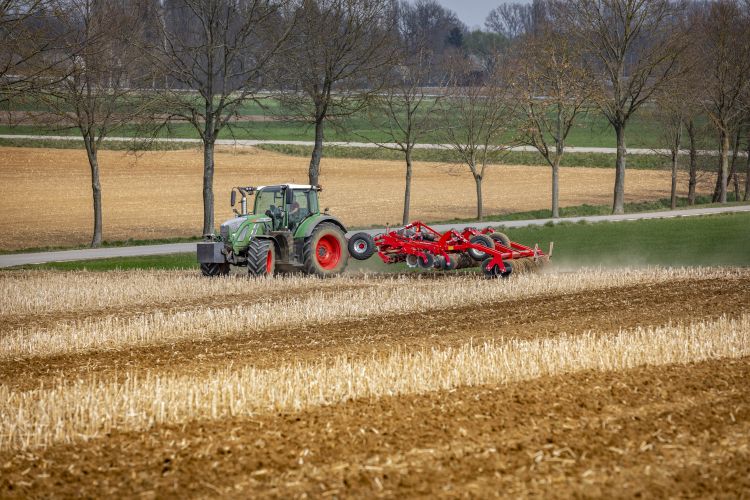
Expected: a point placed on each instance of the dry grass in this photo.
(38, 292)
(46, 197)
(89, 408)
(335, 302)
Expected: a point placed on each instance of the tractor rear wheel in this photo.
(261, 258)
(213, 270)
(325, 252)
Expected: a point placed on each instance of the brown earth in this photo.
(671, 431)
(574, 313)
(45, 194)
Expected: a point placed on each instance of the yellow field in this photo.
(46, 193)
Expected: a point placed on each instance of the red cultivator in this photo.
(421, 246)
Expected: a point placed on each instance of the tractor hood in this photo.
(236, 229)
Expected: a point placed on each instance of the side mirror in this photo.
(233, 197)
(289, 196)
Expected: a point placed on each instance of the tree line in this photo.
(411, 68)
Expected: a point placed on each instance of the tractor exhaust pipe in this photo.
(243, 201)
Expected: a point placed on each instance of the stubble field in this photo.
(598, 382)
(46, 193)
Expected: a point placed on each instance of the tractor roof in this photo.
(293, 186)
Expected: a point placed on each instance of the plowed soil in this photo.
(657, 431)
(575, 313)
(675, 431)
(46, 193)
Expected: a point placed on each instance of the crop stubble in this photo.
(552, 310)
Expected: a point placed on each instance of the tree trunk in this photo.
(556, 187)
(618, 207)
(208, 187)
(733, 177)
(747, 173)
(96, 189)
(693, 163)
(317, 154)
(407, 191)
(673, 192)
(480, 210)
(724, 167)
(675, 157)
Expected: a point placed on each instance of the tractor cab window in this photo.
(270, 199)
(267, 197)
(300, 207)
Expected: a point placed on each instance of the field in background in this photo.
(168, 383)
(262, 122)
(46, 196)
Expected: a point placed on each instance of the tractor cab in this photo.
(287, 205)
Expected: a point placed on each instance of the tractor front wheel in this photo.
(261, 258)
(325, 252)
(212, 270)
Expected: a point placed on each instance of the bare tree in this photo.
(511, 20)
(96, 94)
(551, 88)
(341, 53)
(213, 54)
(474, 117)
(722, 49)
(671, 116)
(427, 24)
(632, 45)
(403, 112)
(20, 44)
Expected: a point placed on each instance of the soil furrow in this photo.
(600, 311)
(659, 431)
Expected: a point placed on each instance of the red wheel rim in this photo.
(269, 262)
(328, 251)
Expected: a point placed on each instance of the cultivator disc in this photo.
(420, 246)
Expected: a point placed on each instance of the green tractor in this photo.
(286, 232)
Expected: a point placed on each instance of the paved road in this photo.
(105, 253)
(249, 142)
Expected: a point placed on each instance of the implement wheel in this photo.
(261, 258)
(482, 240)
(500, 238)
(361, 246)
(495, 272)
(325, 252)
(212, 270)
